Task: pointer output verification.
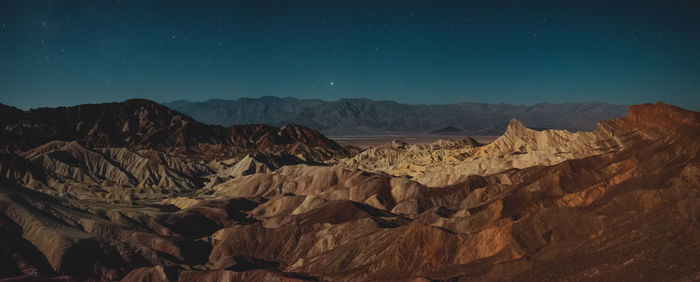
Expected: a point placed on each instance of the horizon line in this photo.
(165, 103)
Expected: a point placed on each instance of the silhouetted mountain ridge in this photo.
(364, 116)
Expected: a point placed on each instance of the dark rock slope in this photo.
(141, 124)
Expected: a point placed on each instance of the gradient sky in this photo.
(521, 52)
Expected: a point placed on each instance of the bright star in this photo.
(332, 83)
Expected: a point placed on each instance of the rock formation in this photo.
(618, 203)
(447, 163)
(142, 124)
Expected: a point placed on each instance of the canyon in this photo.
(136, 191)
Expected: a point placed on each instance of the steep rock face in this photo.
(141, 124)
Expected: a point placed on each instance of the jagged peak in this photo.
(515, 127)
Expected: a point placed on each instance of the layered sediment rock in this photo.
(618, 203)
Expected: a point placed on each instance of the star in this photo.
(332, 83)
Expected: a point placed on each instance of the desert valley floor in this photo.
(365, 142)
(135, 191)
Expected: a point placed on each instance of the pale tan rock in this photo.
(449, 162)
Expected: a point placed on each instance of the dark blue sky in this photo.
(624, 52)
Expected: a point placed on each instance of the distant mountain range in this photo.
(369, 117)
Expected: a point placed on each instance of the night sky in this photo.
(520, 52)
